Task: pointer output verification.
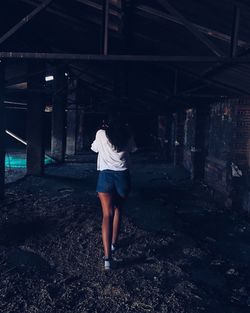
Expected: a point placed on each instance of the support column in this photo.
(2, 131)
(58, 138)
(179, 137)
(35, 116)
(199, 152)
(71, 139)
(80, 130)
(83, 100)
(164, 134)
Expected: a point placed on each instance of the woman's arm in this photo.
(95, 144)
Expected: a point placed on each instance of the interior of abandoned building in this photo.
(178, 71)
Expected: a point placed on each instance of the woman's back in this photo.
(108, 156)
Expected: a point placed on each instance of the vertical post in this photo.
(168, 135)
(80, 130)
(84, 98)
(179, 118)
(72, 117)
(35, 116)
(105, 27)
(2, 130)
(164, 129)
(235, 32)
(199, 154)
(58, 138)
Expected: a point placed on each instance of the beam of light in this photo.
(14, 102)
(49, 78)
(16, 137)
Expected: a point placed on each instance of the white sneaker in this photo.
(107, 263)
(113, 247)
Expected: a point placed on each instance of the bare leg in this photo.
(117, 218)
(107, 221)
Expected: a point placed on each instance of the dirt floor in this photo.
(178, 251)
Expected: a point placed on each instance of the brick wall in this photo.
(241, 137)
(229, 141)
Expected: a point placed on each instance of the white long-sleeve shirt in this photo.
(108, 158)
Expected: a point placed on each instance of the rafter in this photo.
(147, 11)
(143, 10)
(25, 20)
(56, 10)
(211, 82)
(166, 5)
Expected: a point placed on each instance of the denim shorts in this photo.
(117, 182)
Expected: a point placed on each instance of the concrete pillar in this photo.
(164, 133)
(2, 131)
(58, 136)
(199, 152)
(179, 119)
(71, 139)
(80, 130)
(35, 116)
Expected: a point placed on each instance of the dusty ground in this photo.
(178, 251)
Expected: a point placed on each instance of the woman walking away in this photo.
(113, 144)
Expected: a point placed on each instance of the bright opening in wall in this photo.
(49, 78)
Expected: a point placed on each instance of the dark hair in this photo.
(118, 133)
